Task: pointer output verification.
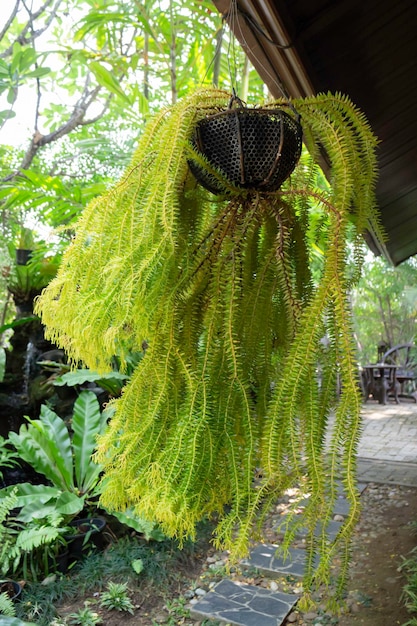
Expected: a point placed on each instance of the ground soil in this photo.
(384, 536)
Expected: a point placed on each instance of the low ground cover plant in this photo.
(409, 568)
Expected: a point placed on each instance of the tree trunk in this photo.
(218, 56)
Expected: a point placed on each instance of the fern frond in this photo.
(233, 295)
(31, 538)
(7, 608)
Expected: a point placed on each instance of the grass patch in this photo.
(409, 595)
(164, 567)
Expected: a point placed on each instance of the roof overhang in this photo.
(367, 50)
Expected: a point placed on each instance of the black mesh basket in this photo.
(253, 148)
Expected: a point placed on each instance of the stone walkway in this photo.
(387, 453)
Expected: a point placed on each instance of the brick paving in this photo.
(387, 451)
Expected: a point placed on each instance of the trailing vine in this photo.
(233, 306)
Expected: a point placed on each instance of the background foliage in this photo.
(384, 306)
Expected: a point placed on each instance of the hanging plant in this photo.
(220, 288)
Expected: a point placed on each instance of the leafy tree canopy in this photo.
(384, 306)
(88, 72)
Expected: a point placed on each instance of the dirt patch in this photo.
(382, 538)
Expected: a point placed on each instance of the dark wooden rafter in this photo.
(367, 50)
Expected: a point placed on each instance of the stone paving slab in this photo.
(387, 472)
(332, 529)
(264, 558)
(244, 605)
(389, 432)
(341, 506)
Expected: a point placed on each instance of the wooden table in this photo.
(379, 379)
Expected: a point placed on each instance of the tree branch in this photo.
(38, 82)
(22, 39)
(76, 119)
(92, 120)
(10, 20)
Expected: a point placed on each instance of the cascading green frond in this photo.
(242, 300)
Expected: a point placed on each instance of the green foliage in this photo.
(162, 566)
(221, 290)
(17, 322)
(8, 456)
(384, 305)
(66, 462)
(19, 543)
(116, 598)
(25, 282)
(409, 594)
(45, 510)
(137, 566)
(89, 75)
(177, 611)
(85, 617)
(64, 457)
(6, 605)
(7, 536)
(149, 530)
(112, 382)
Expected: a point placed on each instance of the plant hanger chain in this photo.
(230, 17)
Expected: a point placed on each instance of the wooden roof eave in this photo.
(279, 66)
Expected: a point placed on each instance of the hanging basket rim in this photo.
(242, 159)
(264, 109)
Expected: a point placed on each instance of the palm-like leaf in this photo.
(46, 446)
(87, 424)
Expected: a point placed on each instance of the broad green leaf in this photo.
(16, 56)
(4, 115)
(86, 424)
(69, 503)
(107, 80)
(35, 445)
(37, 511)
(27, 58)
(79, 377)
(26, 493)
(38, 73)
(31, 452)
(18, 322)
(11, 95)
(149, 530)
(35, 501)
(4, 68)
(61, 443)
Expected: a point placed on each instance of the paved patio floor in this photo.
(387, 450)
